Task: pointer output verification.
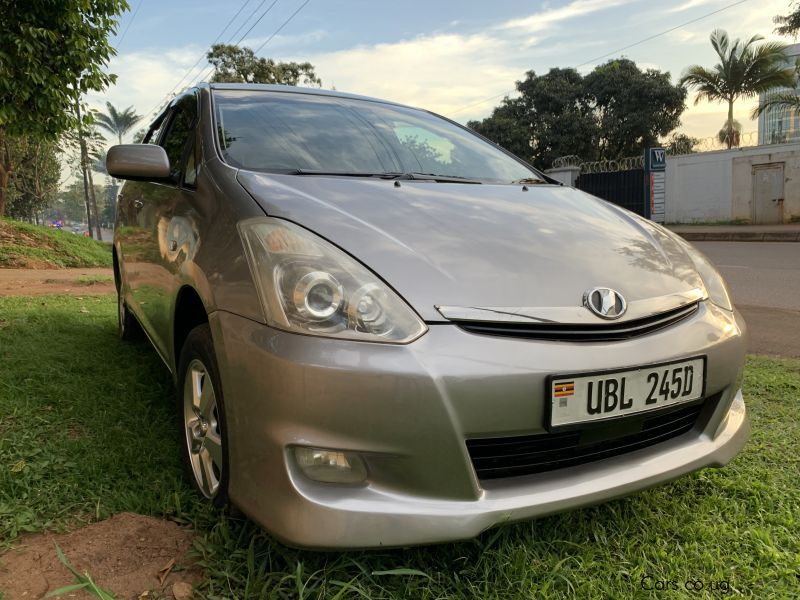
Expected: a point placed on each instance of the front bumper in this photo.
(409, 409)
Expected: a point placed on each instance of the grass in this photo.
(30, 246)
(87, 430)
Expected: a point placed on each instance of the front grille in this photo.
(602, 332)
(525, 455)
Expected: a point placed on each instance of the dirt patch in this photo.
(126, 555)
(74, 282)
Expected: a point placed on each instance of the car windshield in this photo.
(313, 134)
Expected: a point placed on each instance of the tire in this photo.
(201, 418)
(128, 327)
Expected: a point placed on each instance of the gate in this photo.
(621, 182)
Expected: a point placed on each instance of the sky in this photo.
(446, 56)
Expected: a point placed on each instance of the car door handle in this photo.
(137, 204)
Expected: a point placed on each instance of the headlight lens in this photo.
(714, 283)
(309, 286)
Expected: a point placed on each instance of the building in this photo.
(777, 126)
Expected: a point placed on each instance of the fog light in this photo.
(330, 466)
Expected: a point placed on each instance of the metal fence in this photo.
(621, 182)
(625, 188)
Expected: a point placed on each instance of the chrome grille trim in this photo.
(571, 332)
(637, 309)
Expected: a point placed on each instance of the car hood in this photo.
(468, 245)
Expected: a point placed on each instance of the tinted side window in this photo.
(180, 132)
(154, 132)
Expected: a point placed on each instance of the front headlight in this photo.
(309, 286)
(712, 280)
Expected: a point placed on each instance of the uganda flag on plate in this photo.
(563, 388)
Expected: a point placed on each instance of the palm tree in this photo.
(788, 101)
(731, 133)
(116, 122)
(745, 70)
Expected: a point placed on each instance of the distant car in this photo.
(387, 331)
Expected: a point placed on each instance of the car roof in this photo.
(293, 89)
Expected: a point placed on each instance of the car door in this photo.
(165, 229)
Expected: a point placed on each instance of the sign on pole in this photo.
(655, 168)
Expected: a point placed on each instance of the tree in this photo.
(745, 70)
(50, 54)
(506, 128)
(680, 143)
(788, 101)
(730, 134)
(789, 24)
(233, 64)
(83, 146)
(70, 203)
(616, 111)
(552, 117)
(634, 108)
(35, 183)
(116, 122)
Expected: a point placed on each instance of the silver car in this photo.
(385, 330)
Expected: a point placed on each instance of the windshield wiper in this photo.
(335, 173)
(529, 181)
(434, 177)
(388, 175)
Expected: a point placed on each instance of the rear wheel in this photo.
(128, 327)
(202, 417)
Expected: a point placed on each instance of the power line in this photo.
(647, 39)
(642, 41)
(264, 14)
(274, 33)
(250, 16)
(210, 70)
(278, 30)
(203, 55)
(128, 26)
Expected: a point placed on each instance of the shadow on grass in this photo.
(87, 429)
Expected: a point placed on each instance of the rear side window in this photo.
(283, 132)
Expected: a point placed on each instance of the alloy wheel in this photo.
(202, 428)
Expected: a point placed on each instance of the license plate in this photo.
(589, 397)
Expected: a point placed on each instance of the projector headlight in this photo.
(308, 285)
(712, 280)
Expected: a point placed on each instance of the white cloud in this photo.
(284, 41)
(692, 4)
(546, 18)
(439, 72)
(144, 78)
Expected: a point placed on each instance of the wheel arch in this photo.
(190, 311)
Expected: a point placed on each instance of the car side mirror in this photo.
(142, 162)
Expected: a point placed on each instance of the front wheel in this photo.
(202, 417)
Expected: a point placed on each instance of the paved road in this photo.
(764, 279)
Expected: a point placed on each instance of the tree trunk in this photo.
(730, 124)
(93, 198)
(84, 168)
(6, 169)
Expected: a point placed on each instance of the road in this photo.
(764, 280)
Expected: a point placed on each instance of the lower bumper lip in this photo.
(378, 518)
(410, 409)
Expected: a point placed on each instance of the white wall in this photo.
(717, 186)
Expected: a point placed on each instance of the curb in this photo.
(740, 236)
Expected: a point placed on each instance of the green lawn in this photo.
(87, 430)
(29, 246)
